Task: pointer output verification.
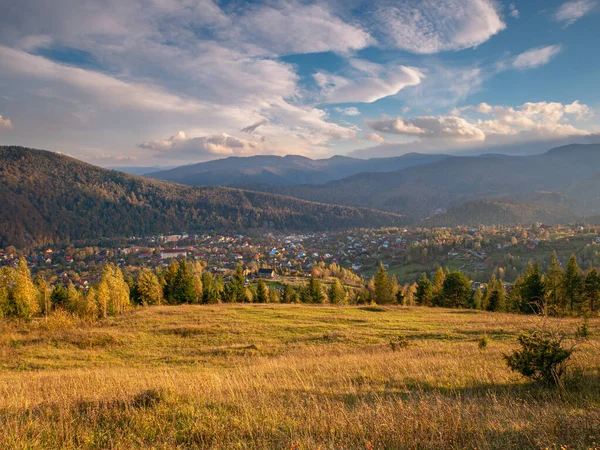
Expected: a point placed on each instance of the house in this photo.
(173, 253)
(266, 273)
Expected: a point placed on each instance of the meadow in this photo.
(273, 376)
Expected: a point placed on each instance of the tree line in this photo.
(556, 291)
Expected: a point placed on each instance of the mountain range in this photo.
(560, 185)
(284, 170)
(49, 197)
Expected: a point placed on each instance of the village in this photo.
(405, 253)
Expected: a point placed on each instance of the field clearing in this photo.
(287, 377)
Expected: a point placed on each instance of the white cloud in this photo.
(375, 138)
(514, 12)
(5, 123)
(293, 27)
(350, 111)
(204, 147)
(367, 88)
(496, 126)
(451, 127)
(433, 26)
(536, 57)
(573, 10)
(105, 89)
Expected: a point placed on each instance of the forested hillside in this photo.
(47, 196)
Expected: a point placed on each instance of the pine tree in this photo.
(315, 291)
(495, 295)
(289, 294)
(262, 295)
(337, 294)
(184, 290)
(572, 282)
(553, 283)
(457, 290)
(424, 292)
(384, 288)
(592, 289)
(533, 291)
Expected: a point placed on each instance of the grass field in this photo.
(287, 377)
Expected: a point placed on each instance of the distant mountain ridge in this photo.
(284, 170)
(418, 191)
(49, 197)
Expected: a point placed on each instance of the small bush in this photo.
(583, 331)
(399, 342)
(483, 342)
(148, 398)
(541, 357)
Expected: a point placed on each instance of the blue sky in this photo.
(164, 82)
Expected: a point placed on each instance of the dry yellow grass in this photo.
(289, 377)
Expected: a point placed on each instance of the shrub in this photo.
(542, 357)
(483, 342)
(398, 342)
(583, 331)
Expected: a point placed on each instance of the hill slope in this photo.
(47, 196)
(284, 170)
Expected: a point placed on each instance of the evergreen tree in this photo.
(315, 291)
(553, 284)
(457, 290)
(572, 282)
(289, 294)
(238, 282)
(495, 295)
(185, 289)
(424, 292)
(384, 288)
(59, 296)
(337, 294)
(592, 289)
(262, 294)
(533, 291)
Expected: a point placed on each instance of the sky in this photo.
(170, 82)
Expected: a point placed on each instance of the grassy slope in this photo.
(271, 376)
